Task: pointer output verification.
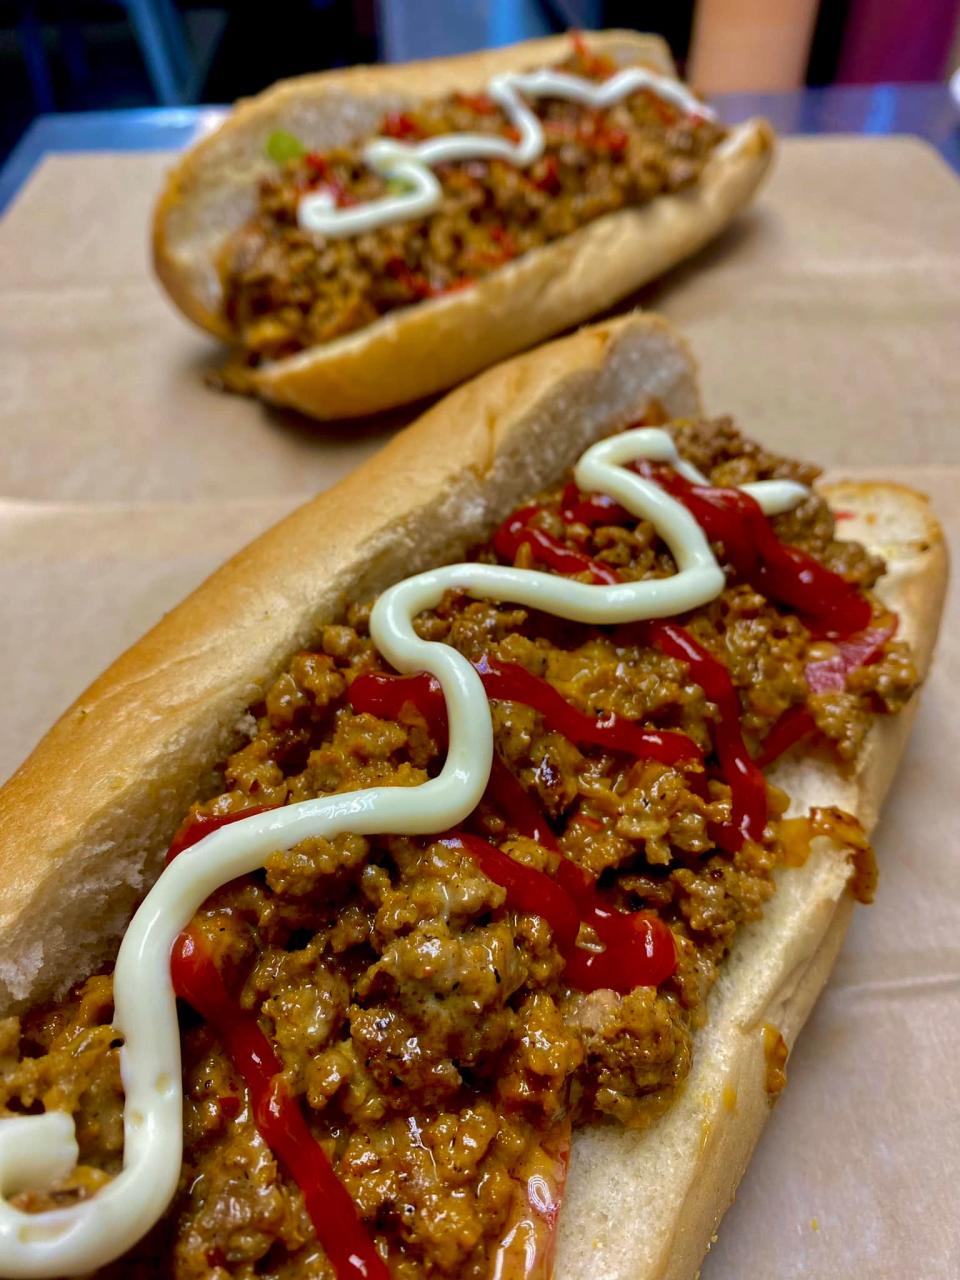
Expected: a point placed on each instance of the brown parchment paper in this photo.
(827, 321)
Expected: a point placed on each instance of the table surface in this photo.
(926, 111)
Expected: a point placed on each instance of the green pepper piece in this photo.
(283, 146)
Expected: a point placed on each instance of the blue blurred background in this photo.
(61, 56)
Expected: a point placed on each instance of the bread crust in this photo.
(422, 349)
(84, 822)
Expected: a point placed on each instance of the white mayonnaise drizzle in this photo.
(35, 1150)
(410, 165)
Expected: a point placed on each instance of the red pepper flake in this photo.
(666, 113)
(317, 163)
(455, 286)
(545, 174)
(587, 820)
(478, 102)
(415, 282)
(230, 1106)
(341, 197)
(501, 236)
(398, 124)
(614, 140)
(562, 129)
(593, 64)
(322, 179)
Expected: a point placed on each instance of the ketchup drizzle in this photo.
(829, 605)
(383, 695)
(591, 508)
(517, 531)
(794, 724)
(506, 793)
(529, 891)
(748, 788)
(197, 828)
(639, 950)
(278, 1116)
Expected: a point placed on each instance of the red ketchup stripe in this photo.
(197, 828)
(517, 531)
(512, 683)
(639, 950)
(530, 891)
(506, 793)
(384, 695)
(783, 573)
(278, 1116)
(592, 508)
(747, 785)
(794, 724)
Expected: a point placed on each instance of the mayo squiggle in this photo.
(35, 1150)
(411, 165)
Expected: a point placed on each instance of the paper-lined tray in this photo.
(827, 321)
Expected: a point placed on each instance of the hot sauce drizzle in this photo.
(278, 1116)
(748, 788)
(517, 531)
(829, 605)
(384, 696)
(639, 950)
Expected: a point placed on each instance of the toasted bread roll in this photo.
(418, 350)
(85, 821)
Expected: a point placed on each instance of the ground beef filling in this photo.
(285, 289)
(428, 1031)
